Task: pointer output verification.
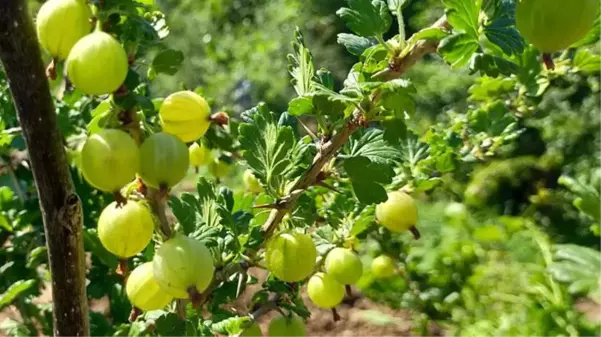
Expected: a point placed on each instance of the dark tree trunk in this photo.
(60, 206)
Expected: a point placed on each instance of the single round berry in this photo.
(325, 291)
(290, 256)
(61, 23)
(251, 183)
(143, 290)
(183, 265)
(109, 160)
(398, 213)
(344, 265)
(125, 230)
(97, 64)
(186, 115)
(199, 155)
(553, 25)
(164, 160)
(286, 326)
(219, 168)
(383, 266)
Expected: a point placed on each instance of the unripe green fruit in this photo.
(284, 326)
(252, 331)
(186, 115)
(344, 265)
(219, 168)
(97, 64)
(109, 159)
(251, 183)
(182, 265)
(383, 266)
(290, 256)
(553, 25)
(125, 230)
(61, 23)
(325, 291)
(143, 290)
(164, 160)
(398, 213)
(199, 155)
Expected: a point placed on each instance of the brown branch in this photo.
(331, 148)
(60, 207)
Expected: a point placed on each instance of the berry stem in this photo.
(349, 291)
(122, 269)
(133, 315)
(415, 232)
(548, 61)
(194, 296)
(335, 316)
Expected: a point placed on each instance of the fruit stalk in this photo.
(329, 149)
(59, 205)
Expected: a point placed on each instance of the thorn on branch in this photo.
(329, 187)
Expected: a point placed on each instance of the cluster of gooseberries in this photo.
(182, 267)
(292, 256)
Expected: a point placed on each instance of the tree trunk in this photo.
(59, 205)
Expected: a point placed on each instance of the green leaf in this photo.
(372, 146)
(584, 256)
(367, 178)
(587, 62)
(356, 45)
(397, 96)
(503, 33)
(302, 105)
(463, 15)
(232, 326)
(15, 328)
(304, 213)
(366, 18)
(457, 50)
(592, 36)
(488, 88)
(168, 61)
(169, 324)
(185, 213)
(271, 150)
(100, 116)
(14, 291)
(492, 66)
(300, 65)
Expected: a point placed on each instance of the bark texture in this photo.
(59, 204)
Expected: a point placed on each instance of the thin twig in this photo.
(330, 149)
(265, 308)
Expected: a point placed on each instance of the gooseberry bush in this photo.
(311, 195)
